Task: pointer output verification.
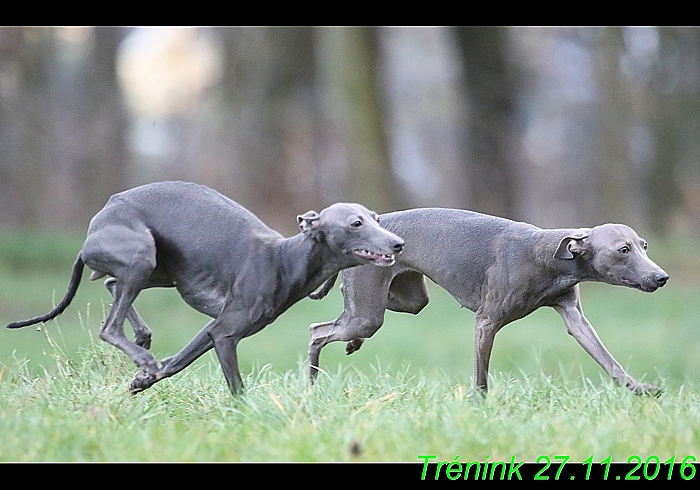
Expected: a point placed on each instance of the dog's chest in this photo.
(206, 294)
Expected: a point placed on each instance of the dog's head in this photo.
(615, 254)
(354, 231)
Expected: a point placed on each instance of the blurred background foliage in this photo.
(560, 127)
(556, 126)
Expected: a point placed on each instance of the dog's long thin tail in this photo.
(72, 288)
(325, 289)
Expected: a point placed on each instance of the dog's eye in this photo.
(356, 224)
(645, 245)
(624, 250)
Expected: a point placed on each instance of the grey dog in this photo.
(500, 269)
(223, 261)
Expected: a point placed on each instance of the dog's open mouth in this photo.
(377, 258)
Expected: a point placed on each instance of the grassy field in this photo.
(407, 392)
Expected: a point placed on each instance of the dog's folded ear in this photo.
(309, 224)
(571, 246)
(307, 220)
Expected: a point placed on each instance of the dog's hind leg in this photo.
(127, 254)
(141, 331)
(113, 329)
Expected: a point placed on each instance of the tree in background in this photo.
(557, 126)
(62, 124)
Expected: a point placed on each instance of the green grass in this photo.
(407, 392)
(78, 411)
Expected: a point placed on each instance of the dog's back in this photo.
(454, 248)
(186, 219)
(183, 206)
(442, 226)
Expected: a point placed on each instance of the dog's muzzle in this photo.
(651, 284)
(380, 258)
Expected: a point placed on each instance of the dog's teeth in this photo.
(377, 255)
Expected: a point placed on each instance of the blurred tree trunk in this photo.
(641, 128)
(270, 119)
(85, 157)
(62, 123)
(666, 114)
(687, 170)
(353, 108)
(491, 86)
(23, 74)
(102, 169)
(613, 172)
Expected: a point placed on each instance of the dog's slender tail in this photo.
(72, 288)
(325, 289)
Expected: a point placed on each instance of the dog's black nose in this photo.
(398, 247)
(661, 279)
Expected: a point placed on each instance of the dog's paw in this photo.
(646, 389)
(143, 381)
(353, 346)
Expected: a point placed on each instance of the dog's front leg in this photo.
(198, 346)
(226, 350)
(484, 335)
(569, 307)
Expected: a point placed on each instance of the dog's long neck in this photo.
(303, 266)
(546, 244)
